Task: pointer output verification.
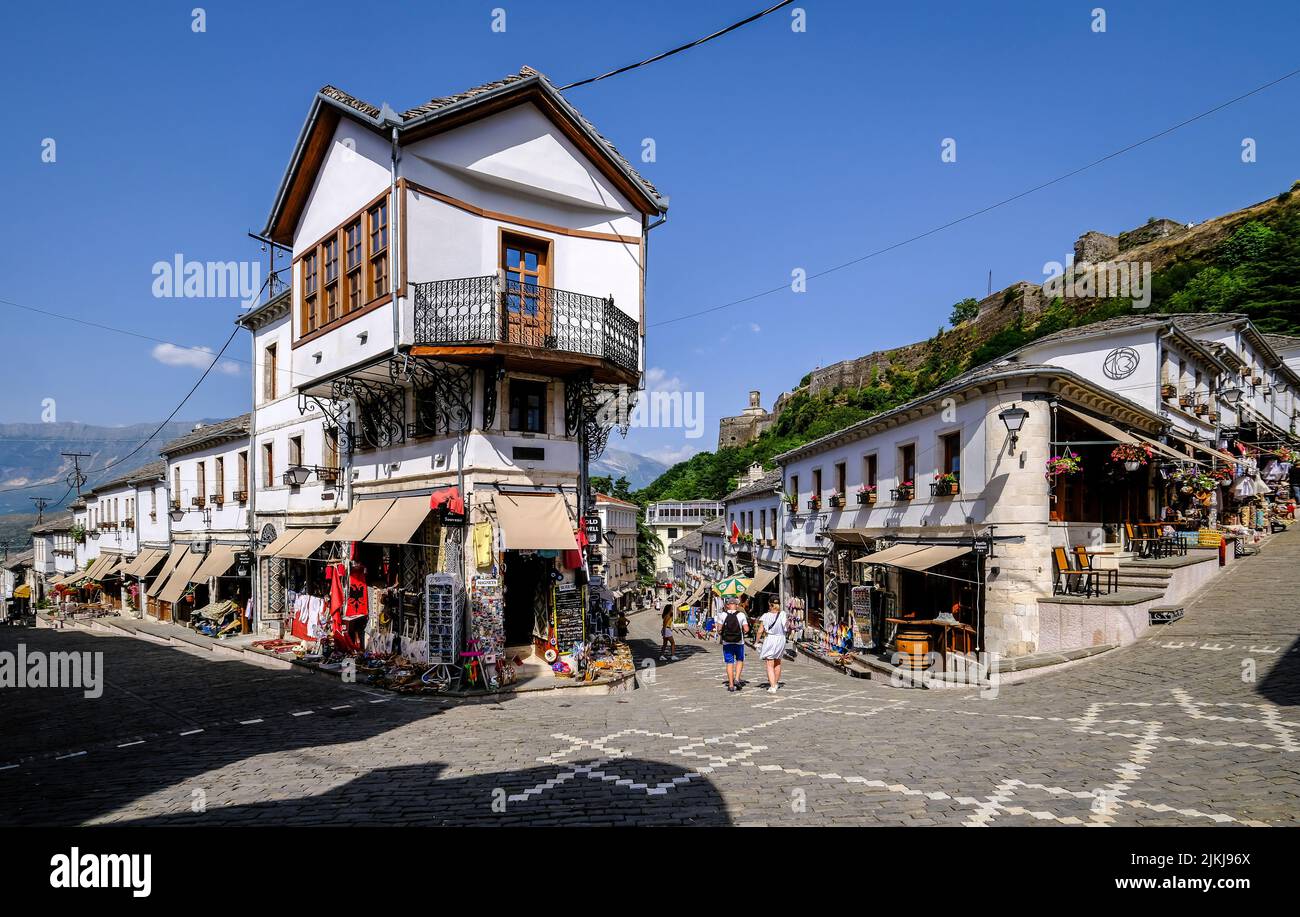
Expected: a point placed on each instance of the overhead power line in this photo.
(991, 207)
(156, 431)
(686, 47)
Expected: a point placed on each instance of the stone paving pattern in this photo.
(1174, 730)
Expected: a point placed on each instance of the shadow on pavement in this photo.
(1281, 684)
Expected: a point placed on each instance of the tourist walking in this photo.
(771, 630)
(731, 633)
(669, 649)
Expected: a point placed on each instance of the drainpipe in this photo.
(394, 242)
(254, 579)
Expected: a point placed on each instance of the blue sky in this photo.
(779, 150)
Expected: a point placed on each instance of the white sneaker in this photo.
(674, 657)
(772, 690)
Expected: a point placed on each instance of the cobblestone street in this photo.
(1168, 731)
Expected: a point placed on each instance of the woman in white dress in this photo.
(771, 630)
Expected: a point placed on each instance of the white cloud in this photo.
(658, 380)
(755, 327)
(192, 357)
(670, 456)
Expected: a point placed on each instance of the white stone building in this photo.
(467, 290)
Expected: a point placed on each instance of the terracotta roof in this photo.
(768, 483)
(209, 433)
(606, 498)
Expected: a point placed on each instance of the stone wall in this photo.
(1150, 232)
(1095, 246)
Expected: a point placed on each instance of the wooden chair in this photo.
(1144, 545)
(1064, 573)
(1094, 575)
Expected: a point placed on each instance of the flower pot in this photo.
(1132, 466)
(867, 498)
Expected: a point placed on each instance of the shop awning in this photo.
(361, 519)
(930, 556)
(113, 567)
(695, 596)
(103, 563)
(1221, 456)
(281, 540)
(535, 522)
(145, 562)
(23, 592)
(890, 555)
(180, 578)
(173, 559)
(1169, 451)
(55, 580)
(304, 543)
(400, 522)
(1103, 426)
(762, 579)
(803, 562)
(216, 563)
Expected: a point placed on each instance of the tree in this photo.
(964, 311)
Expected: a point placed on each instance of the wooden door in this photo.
(527, 310)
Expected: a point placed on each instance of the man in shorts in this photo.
(731, 632)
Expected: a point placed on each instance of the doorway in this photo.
(527, 579)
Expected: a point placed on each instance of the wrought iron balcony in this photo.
(488, 310)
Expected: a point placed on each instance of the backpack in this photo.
(731, 632)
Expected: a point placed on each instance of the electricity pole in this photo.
(77, 478)
(40, 508)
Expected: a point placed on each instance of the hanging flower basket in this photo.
(1133, 457)
(1067, 463)
(867, 494)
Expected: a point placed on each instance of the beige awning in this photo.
(305, 543)
(762, 578)
(929, 557)
(890, 555)
(1221, 456)
(400, 522)
(362, 518)
(180, 578)
(102, 565)
(177, 552)
(1103, 426)
(56, 580)
(802, 562)
(143, 561)
(216, 563)
(282, 541)
(114, 566)
(1169, 451)
(535, 522)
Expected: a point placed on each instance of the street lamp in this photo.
(1231, 395)
(177, 515)
(1014, 418)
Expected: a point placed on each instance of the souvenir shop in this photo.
(399, 607)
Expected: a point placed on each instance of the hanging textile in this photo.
(483, 545)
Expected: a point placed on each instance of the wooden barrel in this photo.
(913, 646)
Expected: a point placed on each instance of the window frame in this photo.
(544, 389)
(326, 301)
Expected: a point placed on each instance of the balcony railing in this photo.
(487, 310)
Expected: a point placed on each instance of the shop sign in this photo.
(244, 558)
(593, 526)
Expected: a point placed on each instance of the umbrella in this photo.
(732, 585)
